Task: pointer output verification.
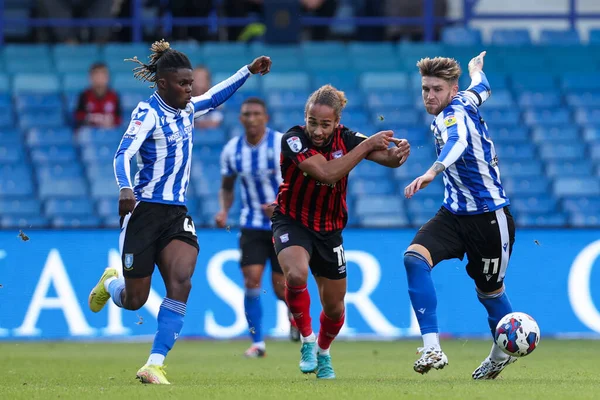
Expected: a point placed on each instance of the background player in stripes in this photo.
(311, 212)
(474, 218)
(155, 227)
(254, 158)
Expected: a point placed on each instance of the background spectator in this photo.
(202, 82)
(98, 105)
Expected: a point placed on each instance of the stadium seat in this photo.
(88, 52)
(562, 151)
(29, 66)
(369, 169)
(588, 116)
(5, 85)
(11, 153)
(224, 50)
(591, 134)
(104, 187)
(63, 207)
(500, 98)
(503, 135)
(552, 37)
(24, 221)
(50, 102)
(497, 118)
(461, 36)
(526, 168)
(210, 137)
(343, 80)
(35, 83)
(516, 152)
(10, 187)
(384, 220)
(585, 99)
(383, 81)
(79, 221)
(581, 204)
(286, 81)
(47, 172)
(558, 116)
(9, 137)
(533, 204)
(532, 99)
(578, 81)
(72, 187)
(94, 136)
(389, 99)
(19, 206)
(551, 220)
(581, 167)
(529, 186)
(556, 134)
(378, 205)
(386, 118)
(511, 37)
(7, 118)
(56, 154)
(425, 204)
(75, 82)
(327, 63)
(533, 81)
(564, 187)
(49, 137)
(278, 100)
(367, 187)
(102, 153)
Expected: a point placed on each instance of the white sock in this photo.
(309, 339)
(109, 280)
(498, 355)
(260, 345)
(431, 340)
(156, 359)
(324, 352)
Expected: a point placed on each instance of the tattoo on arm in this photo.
(438, 167)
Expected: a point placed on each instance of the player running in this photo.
(254, 157)
(311, 212)
(155, 227)
(474, 218)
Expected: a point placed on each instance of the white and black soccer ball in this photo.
(517, 334)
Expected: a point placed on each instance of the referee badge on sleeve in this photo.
(449, 121)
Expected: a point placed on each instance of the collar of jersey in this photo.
(164, 105)
(262, 140)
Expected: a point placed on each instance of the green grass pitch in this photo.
(565, 369)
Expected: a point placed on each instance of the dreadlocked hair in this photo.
(162, 59)
(329, 96)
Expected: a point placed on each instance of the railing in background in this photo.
(428, 21)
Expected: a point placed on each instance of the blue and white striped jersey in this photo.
(162, 138)
(463, 145)
(259, 173)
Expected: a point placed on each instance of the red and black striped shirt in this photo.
(318, 206)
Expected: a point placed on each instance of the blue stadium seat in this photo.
(79, 221)
(384, 220)
(40, 102)
(107, 206)
(526, 168)
(425, 204)
(461, 36)
(323, 49)
(127, 82)
(285, 99)
(595, 152)
(285, 120)
(580, 81)
(545, 99)
(380, 64)
(542, 220)
(104, 187)
(75, 82)
(20, 206)
(542, 117)
(11, 153)
(556, 134)
(49, 137)
(25, 221)
(35, 83)
(511, 37)
(327, 63)
(378, 50)
(581, 204)
(111, 221)
(553, 37)
(564, 187)
(88, 52)
(533, 81)
(498, 118)
(91, 153)
(355, 118)
(503, 135)
(210, 137)
(386, 118)
(533, 204)
(367, 187)
(10, 136)
(585, 99)
(31, 119)
(49, 172)
(28, 51)
(7, 118)
(387, 205)
(131, 98)
(411, 169)
(369, 169)
(343, 80)
(286, 81)
(63, 207)
(6, 101)
(5, 84)
(224, 49)
(96, 136)
(383, 81)
(10, 186)
(575, 168)
(591, 134)
(584, 220)
(389, 98)
(71, 187)
(531, 186)
(588, 116)
(562, 151)
(70, 65)
(501, 98)
(53, 154)
(516, 152)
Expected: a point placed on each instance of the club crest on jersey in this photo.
(284, 238)
(128, 261)
(449, 121)
(134, 127)
(295, 144)
(337, 154)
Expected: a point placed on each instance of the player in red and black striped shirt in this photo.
(311, 212)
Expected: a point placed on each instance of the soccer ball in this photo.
(517, 334)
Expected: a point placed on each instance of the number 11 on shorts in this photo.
(339, 251)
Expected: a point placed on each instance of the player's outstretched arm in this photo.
(222, 91)
(394, 157)
(331, 171)
(480, 87)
